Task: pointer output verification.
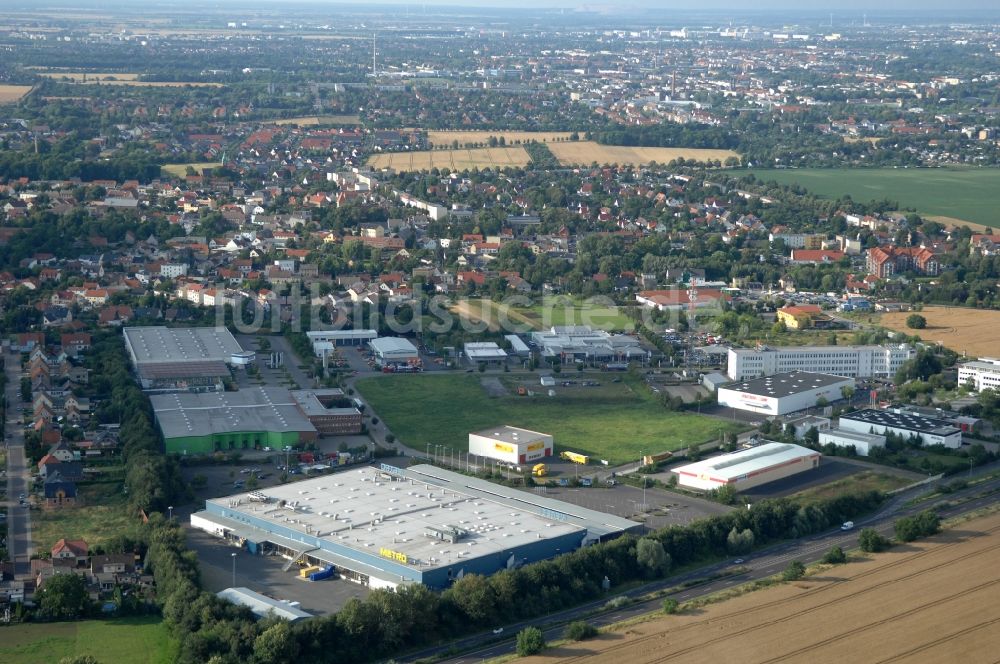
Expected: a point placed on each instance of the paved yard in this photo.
(264, 574)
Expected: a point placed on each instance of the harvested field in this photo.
(150, 84)
(12, 93)
(180, 170)
(972, 331)
(79, 76)
(445, 138)
(587, 152)
(923, 602)
(314, 120)
(424, 160)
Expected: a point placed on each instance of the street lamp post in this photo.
(170, 513)
(234, 569)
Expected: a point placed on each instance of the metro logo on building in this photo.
(500, 447)
(394, 555)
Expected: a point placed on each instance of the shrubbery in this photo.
(909, 528)
(580, 630)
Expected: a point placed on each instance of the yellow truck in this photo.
(540, 470)
(575, 458)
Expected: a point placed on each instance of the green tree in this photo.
(530, 641)
(670, 606)
(63, 597)
(835, 556)
(795, 571)
(916, 322)
(651, 555)
(871, 542)
(275, 645)
(579, 630)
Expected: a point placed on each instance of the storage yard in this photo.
(919, 603)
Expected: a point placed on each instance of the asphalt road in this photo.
(761, 564)
(18, 518)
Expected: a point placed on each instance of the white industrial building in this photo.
(188, 358)
(486, 352)
(325, 340)
(852, 361)
(748, 468)
(393, 350)
(386, 527)
(982, 375)
(863, 442)
(511, 444)
(582, 343)
(783, 393)
(931, 431)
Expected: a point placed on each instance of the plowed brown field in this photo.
(928, 602)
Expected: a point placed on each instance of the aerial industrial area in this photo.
(445, 334)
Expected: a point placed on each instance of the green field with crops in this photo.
(966, 194)
(123, 641)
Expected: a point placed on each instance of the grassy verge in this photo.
(865, 481)
(614, 424)
(123, 641)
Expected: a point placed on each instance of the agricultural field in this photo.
(316, 120)
(12, 93)
(921, 603)
(442, 139)
(584, 153)
(975, 332)
(126, 640)
(149, 84)
(549, 311)
(90, 76)
(425, 160)
(180, 170)
(953, 195)
(613, 421)
(101, 515)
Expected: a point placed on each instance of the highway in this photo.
(761, 564)
(18, 518)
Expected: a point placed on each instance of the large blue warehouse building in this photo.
(386, 526)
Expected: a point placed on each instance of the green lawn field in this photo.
(968, 194)
(599, 312)
(616, 421)
(121, 641)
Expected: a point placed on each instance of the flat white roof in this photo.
(392, 345)
(324, 335)
(249, 410)
(484, 350)
(159, 344)
(368, 510)
(728, 467)
(262, 605)
(508, 434)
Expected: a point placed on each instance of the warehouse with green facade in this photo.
(253, 418)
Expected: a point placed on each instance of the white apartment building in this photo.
(850, 361)
(982, 375)
(173, 270)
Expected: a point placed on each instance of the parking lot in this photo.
(264, 574)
